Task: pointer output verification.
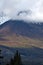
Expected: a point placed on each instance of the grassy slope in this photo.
(20, 41)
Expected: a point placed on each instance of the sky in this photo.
(22, 10)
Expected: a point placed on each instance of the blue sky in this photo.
(10, 8)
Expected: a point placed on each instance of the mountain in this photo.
(20, 27)
(18, 33)
(27, 38)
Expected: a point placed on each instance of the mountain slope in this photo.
(32, 55)
(19, 27)
(18, 33)
(20, 41)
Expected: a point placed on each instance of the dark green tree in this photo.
(17, 59)
(12, 62)
(1, 57)
(7, 64)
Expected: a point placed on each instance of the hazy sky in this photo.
(27, 10)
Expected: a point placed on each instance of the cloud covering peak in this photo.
(30, 10)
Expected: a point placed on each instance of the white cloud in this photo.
(11, 8)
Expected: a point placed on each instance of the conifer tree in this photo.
(17, 59)
(1, 57)
(12, 62)
(7, 64)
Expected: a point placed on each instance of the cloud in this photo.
(11, 8)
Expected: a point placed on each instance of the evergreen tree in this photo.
(1, 57)
(12, 62)
(7, 64)
(17, 59)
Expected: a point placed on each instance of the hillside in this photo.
(17, 33)
(20, 27)
(29, 56)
